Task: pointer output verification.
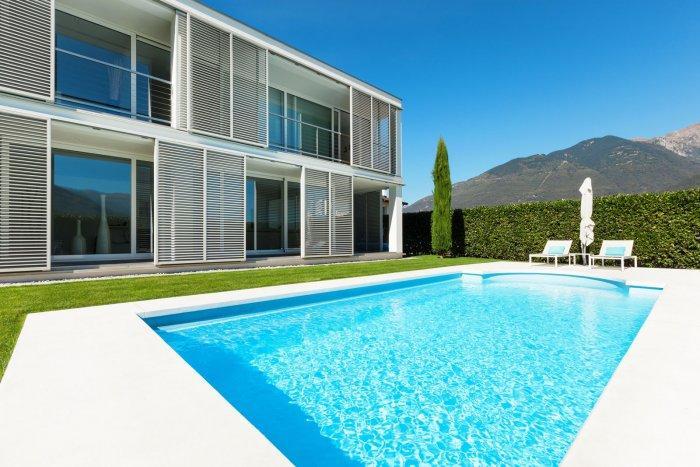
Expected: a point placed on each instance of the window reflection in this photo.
(94, 70)
(293, 215)
(269, 213)
(265, 203)
(298, 125)
(153, 90)
(250, 214)
(144, 207)
(98, 53)
(91, 205)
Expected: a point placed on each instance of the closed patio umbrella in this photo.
(587, 224)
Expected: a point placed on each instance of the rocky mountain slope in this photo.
(615, 165)
(685, 142)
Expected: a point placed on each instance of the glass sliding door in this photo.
(100, 207)
(144, 207)
(273, 223)
(293, 215)
(269, 210)
(92, 65)
(250, 214)
(91, 202)
(102, 69)
(152, 82)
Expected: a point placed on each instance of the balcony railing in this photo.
(291, 135)
(86, 82)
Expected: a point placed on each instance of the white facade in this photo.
(164, 130)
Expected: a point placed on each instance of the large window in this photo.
(152, 82)
(95, 69)
(144, 207)
(269, 210)
(266, 203)
(276, 124)
(293, 215)
(92, 198)
(300, 125)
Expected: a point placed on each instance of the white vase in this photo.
(78, 241)
(103, 241)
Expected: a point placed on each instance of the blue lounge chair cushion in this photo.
(615, 251)
(556, 250)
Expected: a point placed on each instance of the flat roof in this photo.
(199, 6)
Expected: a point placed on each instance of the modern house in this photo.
(164, 130)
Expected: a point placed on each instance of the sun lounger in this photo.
(553, 249)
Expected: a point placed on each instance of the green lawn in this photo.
(17, 302)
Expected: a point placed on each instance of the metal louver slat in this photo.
(225, 207)
(249, 89)
(361, 129)
(24, 197)
(316, 192)
(181, 56)
(381, 157)
(341, 215)
(210, 75)
(25, 47)
(179, 204)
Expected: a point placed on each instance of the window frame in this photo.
(134, 37)
(71, 150)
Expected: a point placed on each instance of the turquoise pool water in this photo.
(447, 370)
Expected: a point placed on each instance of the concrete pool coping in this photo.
(96, 386)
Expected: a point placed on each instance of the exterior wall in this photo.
(217, 194)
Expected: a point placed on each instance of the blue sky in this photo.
(503, 79)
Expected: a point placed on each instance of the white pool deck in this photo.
(95, 386)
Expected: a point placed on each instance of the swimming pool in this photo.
(500, 368)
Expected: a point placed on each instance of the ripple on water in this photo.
(503, 371)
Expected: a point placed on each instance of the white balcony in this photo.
(114, 57)
(308, 112)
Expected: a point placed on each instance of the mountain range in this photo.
(615, 165)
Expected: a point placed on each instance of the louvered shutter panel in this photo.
(225, 207)
(381, 157)
(23, 193)
(316, 213)
(25, 46)
(181, 70)
(395, 139)
(249, 92)
(179, 204)
(341, 215)
(374, 133)
(210, 86)
(361, 129)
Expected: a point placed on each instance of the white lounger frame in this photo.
(553, 243)
(614, 243)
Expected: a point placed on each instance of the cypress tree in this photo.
(441, 226)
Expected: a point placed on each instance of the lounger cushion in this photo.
(556, 250)
(615, 251)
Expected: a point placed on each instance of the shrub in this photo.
(665, 227)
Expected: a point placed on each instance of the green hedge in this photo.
(665, 228)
